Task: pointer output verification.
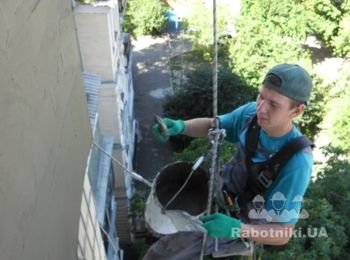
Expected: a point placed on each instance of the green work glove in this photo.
(221, 226)
(174, 127)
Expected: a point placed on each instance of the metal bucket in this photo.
(182, 213)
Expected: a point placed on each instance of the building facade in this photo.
(106, 51)
(62, 121)
(45, 131)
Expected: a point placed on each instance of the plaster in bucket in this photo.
(182, 213)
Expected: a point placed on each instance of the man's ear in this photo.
(298, 110)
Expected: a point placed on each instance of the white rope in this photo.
(134, 175)
(215, 112)
(213, 170)
(111, 241)
(194, 168)
(215, 65)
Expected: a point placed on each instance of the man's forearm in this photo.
(197, 127)
(269, 234)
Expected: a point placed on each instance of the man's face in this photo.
(275, 112)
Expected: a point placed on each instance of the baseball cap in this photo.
(295, 83)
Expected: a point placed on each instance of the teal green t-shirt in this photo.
(283, 199)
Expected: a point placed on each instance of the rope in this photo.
(213, 171)
(194, 168)
(215, 112)
(134, 175)
(215, 65)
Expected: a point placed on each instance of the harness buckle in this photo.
(264, 180)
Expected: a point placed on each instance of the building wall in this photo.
(44, 130)
(97, 30)
(98, 238)
(90, 240)
(109, 111)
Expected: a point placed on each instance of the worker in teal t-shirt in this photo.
(293, 178)
(282, 97)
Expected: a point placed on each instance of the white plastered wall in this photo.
(44, 130)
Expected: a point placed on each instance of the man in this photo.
(282, 97)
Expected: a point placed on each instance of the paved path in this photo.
(151, 85)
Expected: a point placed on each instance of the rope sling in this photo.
(213, 169)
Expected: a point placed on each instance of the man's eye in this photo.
(274, 105)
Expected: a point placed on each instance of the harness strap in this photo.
(252, 139)
(277, 161)
(258, 184)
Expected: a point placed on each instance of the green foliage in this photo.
(323, 13)
(194, 150)
(330, 20)
(199, 25)
(144, 17)
(268, 34)
(142, 248)
(232, 92)
(194, 98)
(342, 39)
(86, 1)
(336, 123)
(309, 122)
(137, 204)
(281, 17)
(271, 32)
(328, 204)
(251, 56)
(200, 146)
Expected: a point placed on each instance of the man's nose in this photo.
(262, 106)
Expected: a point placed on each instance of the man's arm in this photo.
(198, 127)
(268, 234)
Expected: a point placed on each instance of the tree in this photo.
(268, 34)
(315, 110)
(144, 17)
(330, 21)
(327, 201)
(232, 92)
(336, 123)
(271, 32)
(199, 26)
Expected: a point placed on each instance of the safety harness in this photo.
(245, 179)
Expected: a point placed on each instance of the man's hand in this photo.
(174, 127)
(221, 226)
